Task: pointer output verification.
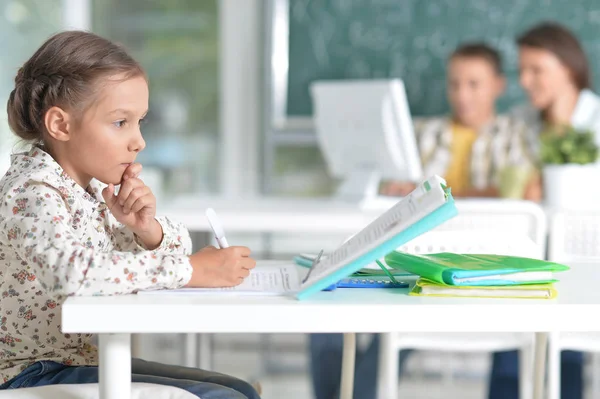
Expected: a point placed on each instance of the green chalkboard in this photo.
(411, 40)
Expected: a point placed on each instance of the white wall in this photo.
(240, 82)
(77, 14)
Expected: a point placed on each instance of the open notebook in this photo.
(428, 206)
(271, 279)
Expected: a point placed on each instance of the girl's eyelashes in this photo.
(123, 122)
(120, 123)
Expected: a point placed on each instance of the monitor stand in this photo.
(361, 184)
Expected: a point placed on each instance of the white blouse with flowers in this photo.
(57, 240)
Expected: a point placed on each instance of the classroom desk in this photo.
(348, 311)
(265, 215)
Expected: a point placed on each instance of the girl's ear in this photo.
(58, 122)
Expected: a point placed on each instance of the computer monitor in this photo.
(366, 134)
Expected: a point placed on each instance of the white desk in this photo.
(267, 215)
(347, 311)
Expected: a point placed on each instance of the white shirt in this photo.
(586, 116)
(58, 240)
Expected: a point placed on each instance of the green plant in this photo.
(568, 145)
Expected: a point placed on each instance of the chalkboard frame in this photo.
(278, 38)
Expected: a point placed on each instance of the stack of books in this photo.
(467, 275)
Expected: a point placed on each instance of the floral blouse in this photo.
(57, 240)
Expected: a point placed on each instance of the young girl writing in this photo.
(79, 100)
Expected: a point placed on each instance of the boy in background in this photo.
(473, 144)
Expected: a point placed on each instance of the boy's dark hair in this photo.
(479, 50)
(65, 72)
(558, 40)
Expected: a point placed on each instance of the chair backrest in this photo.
(507, 216)
(474, 242)
(575, 235)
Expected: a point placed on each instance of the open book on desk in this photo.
(428, 206)
(425, 208)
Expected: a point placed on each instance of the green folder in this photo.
(476, 270)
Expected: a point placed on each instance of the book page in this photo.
(408, 211)
(369, 235)
(263, 280)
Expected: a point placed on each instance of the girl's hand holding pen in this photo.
(225, 267)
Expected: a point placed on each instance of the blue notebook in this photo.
(358, 282)
(427, 207)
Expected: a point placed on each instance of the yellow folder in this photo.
(425, 287)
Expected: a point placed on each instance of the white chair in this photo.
(574, 237)
(511, 216)
(496, 242)
(91, 391)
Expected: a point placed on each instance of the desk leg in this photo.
(539, 371)
(190, 350)
(347, 383)
(136, 345)
(114, 371)
(205, 344)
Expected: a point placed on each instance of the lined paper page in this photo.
(263, 280)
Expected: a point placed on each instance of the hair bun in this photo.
(63, 72)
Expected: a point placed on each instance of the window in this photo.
(24, 25)
(300, 171)
(177, 43)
